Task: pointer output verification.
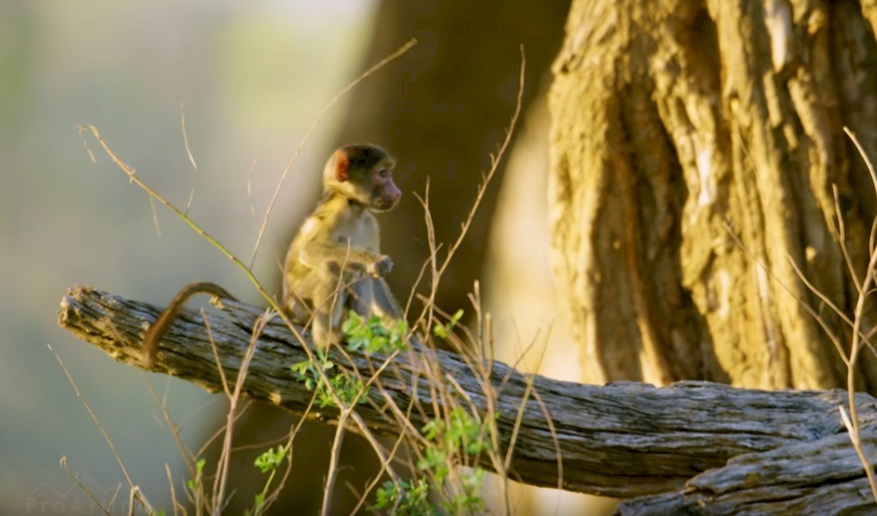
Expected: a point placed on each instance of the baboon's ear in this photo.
(342, 166)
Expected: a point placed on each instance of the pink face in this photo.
(385, 193)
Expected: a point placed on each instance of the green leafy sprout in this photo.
(462, 434)
(375, 334)
(346, 386)
(268, 462)
(444, 330)
(193, 483)
(372, 335)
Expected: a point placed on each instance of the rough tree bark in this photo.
(692, 447)
(678, 123)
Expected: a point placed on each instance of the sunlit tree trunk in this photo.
(680, 127)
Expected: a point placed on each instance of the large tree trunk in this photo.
(680, 126)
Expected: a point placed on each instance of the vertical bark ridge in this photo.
(674, 121)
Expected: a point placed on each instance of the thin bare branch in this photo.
(380, 64)
(189, 155)
(95, 419)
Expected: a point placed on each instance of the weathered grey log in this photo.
(698, 447)
(816, 477)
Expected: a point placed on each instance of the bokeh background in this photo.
(250, 80)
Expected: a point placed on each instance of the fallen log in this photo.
(696, 447)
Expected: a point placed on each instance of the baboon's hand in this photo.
(381, 267)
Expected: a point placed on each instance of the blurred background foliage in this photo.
(251, 80)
